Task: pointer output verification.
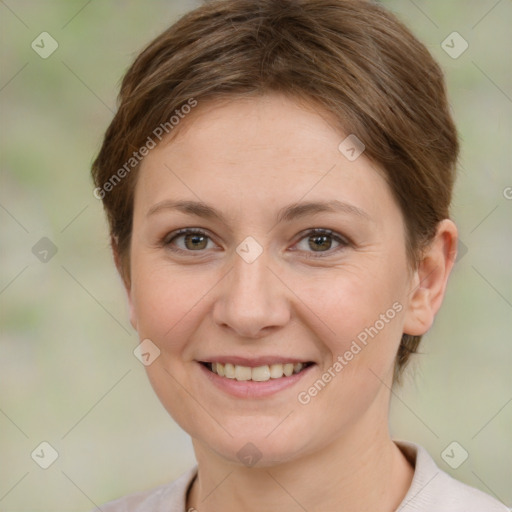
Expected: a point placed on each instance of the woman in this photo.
(277, 181)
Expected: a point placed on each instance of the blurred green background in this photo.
(67, 372)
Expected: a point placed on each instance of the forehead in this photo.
(259, 150)
(273, 125)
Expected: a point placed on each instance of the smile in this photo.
(259, 373)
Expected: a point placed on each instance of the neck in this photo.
(361, 470)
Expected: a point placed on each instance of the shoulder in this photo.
(433, 489)
(165, 498)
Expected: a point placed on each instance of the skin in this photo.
(249, 158)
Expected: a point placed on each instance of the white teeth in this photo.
(276, 371)
(259, 373)
(288, 369)
(242, 373)
(229, 370)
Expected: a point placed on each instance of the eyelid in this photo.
(184, 231)
(168, 238)
(341, 239)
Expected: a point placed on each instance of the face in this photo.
(259, 249)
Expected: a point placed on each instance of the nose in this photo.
(252, 301)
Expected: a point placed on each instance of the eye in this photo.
(321, 241)
(188, 240)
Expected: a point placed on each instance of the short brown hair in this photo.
(351, 57)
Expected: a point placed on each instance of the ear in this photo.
(124, 272)
(430, 278)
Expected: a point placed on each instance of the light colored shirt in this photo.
(431, 490)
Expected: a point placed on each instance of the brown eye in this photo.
(195, 241)
(320, 242)
(188, 240)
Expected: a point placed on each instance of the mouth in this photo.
(262, 373)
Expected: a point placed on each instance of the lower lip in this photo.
(253, 389)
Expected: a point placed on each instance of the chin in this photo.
(258, 453)
(268, 444)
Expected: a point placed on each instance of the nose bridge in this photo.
(252, 298)
(251, 280)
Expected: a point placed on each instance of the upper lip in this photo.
(253, 362)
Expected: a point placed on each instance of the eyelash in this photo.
(343, 241)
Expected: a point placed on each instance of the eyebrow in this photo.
(286, 214)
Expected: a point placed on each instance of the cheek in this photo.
(167, 305)
(162, 299)
(355, 301)
(364, 309)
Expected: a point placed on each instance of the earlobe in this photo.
(430, 279)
